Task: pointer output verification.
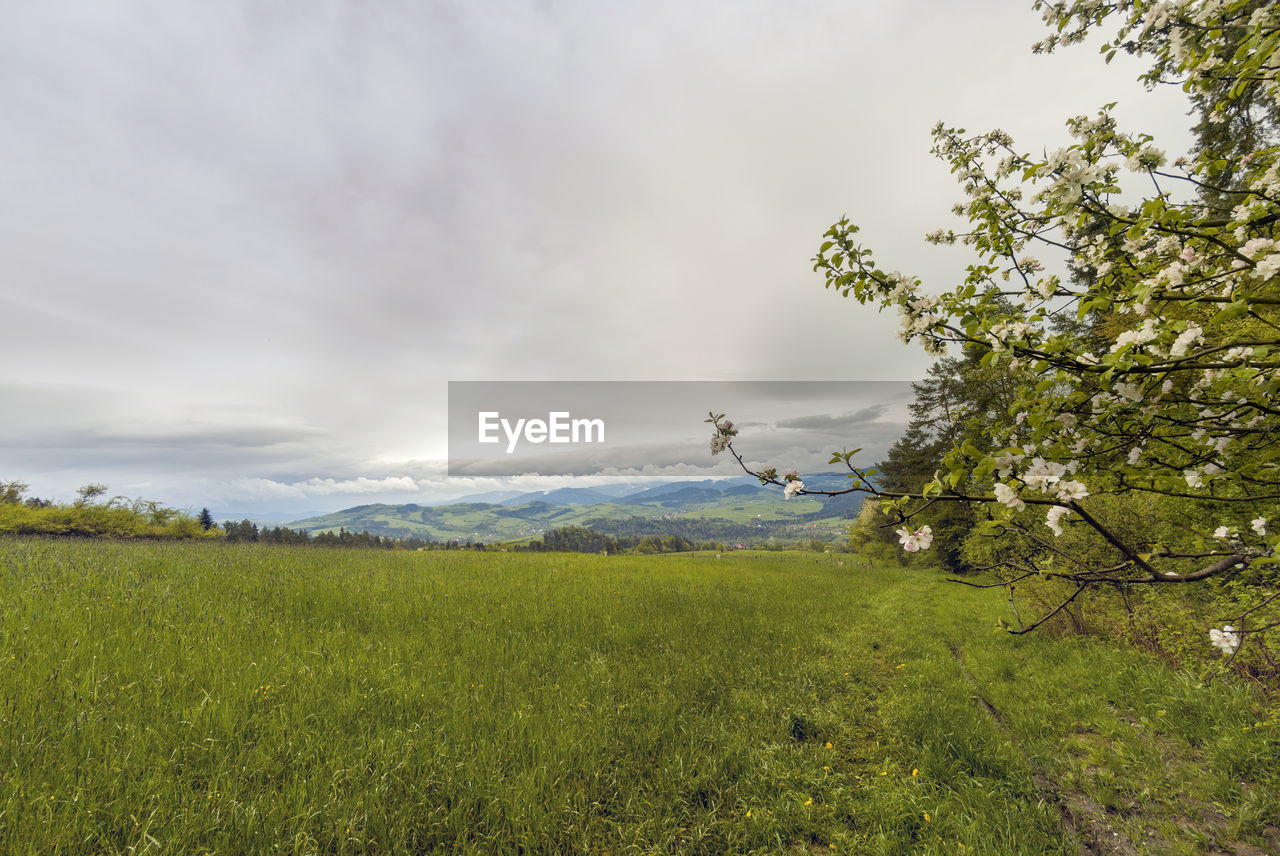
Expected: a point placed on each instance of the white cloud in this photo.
(259, 488)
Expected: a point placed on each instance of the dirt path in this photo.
(1093, 826)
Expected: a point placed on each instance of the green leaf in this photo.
(984, 468)
(1230, 312)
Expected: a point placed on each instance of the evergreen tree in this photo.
(959, 401)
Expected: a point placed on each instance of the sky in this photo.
(247, 245)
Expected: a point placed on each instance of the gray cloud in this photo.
(845, 423)
(251, 240)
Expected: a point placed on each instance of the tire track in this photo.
(1085, 818)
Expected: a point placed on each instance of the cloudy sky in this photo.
(248, 244)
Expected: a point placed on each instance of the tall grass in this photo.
(223, 698)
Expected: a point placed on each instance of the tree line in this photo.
(580, 539)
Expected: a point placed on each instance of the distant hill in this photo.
(738, 509)
(490, 496)
(563, 496)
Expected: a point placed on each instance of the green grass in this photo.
(223, 698)
(767, 509)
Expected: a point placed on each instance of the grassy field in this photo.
(222, 698)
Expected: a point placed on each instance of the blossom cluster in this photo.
(723, 435)
(1040, 475)
(793, 484)
(913, 540)
(1227, 639)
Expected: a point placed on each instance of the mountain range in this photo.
(727, 510)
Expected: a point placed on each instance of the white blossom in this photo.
(1004, 463)
(1006, 495)
(1173, 275)
(1130, 391)
(1268, 267)
(1054, 518)
(917, 540)
(1042, 473)
(1069, 490)
(1188, 337)
(902, 286)
(1140, 336)
(1255, 247)
(1227, 639)
(1148, 158)
(792, 488)
(1259, 525)
(1007, 330)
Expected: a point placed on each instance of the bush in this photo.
(117, 519)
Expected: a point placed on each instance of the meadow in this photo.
(229, 698)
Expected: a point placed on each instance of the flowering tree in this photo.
(1169, 393)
